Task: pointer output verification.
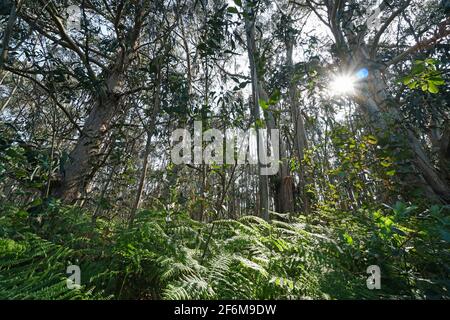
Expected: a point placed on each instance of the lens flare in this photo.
(342, 85)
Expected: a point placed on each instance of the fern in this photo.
(33, 268)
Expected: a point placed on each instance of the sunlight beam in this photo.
(342, 85)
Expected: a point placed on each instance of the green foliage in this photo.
(33, 268)
(253, 259)
(321, 256)
(424, 75)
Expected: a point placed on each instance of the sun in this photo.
(342, 85)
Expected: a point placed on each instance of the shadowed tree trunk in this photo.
(83, 161)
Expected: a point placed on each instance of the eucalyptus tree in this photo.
(106, 57)
(360, 48)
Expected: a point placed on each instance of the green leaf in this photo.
(253, 265)
(259, 123)
(432, 87)
(238, 3)
(233, 10)
(424, 87)
(390, 173)
(372, 139)
(437, 80)
(386, 163)
(412, 84)
(263, 104)
(406, 80)
(36, 202)
(348, 238)
(275, 97)
(418, 68)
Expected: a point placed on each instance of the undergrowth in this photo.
(321, 256)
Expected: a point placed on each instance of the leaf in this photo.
(424, 87)
(275, 97)
(432, 87)
(348, 238)
(412, 85)
(386, 163)
(398, 231)
(437, 80)
(390, 173)
(418, 68)
(406, 80)
(238, 3)
(253, 265)
(233, 10)
(36, 202)
(263, 104)
(372, 139)
(259, 123)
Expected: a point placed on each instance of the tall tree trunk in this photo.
(251, 50)
(282, 182)
(300, 141)
(285, 192)
(83, 161)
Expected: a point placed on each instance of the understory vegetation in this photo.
(322, 256)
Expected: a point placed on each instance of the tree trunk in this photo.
(263, 179)
(376, 102)
(142, 179)
(300, 141)
(285, 195)
(84, 159)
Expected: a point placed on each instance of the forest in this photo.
(224, 149)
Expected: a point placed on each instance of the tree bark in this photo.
(251, 50)
(300, 141)
(84, 159)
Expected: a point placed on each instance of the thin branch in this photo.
(377, 37)
(8, 31)
(442, 32)
(64, 35)
(50, 93)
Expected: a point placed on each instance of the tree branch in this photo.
(377, 37)
(442, 32)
